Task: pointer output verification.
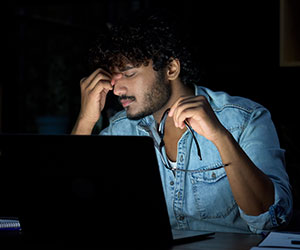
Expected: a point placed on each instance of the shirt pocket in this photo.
(212, 193)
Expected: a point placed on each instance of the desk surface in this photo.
(224, 241)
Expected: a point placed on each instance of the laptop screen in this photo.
(84, 188)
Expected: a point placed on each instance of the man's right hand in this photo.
(94, 89)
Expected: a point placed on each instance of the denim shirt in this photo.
(204, 200)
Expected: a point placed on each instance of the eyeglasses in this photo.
(161, 130)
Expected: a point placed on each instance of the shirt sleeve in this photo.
(106, 131)
(260, 142)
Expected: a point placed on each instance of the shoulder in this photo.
(119, 117)
(120, 125)
(220, 101)
(235, 112)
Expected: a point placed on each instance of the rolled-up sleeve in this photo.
(260, 142)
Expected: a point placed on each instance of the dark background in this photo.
(44, 49)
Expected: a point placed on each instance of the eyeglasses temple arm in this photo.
(194, 137)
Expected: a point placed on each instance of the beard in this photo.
(154, 98)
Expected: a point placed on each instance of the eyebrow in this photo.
(126, 68)
(123, 69)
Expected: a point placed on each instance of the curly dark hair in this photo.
(143, 38)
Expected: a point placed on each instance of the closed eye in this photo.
(129, 74)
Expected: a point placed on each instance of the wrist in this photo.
(223, 139)
(83, 127)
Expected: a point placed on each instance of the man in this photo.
(219, 156)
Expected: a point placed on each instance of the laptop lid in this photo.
(85, 190)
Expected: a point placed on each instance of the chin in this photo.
(137, 115)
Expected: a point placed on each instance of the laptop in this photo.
(86, 191)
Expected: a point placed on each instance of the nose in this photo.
(119, 88)
(116, 77)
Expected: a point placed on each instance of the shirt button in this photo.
(181, 217)
(171, 183)
(213, 175)
(181, 158)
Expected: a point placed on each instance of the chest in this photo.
(171, 139)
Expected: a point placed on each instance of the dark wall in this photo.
(45, 52)
(44, 55)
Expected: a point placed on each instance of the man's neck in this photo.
(171, 133)
(178, 90)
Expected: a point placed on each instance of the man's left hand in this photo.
(197, 112)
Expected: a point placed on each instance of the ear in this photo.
(173, 69)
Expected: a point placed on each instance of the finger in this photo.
(87, 80)
(115, 78)
(174, 106)
(103, 95)
(190, 102)
(184, 100)
(179, 104)
(98, 71)
(185, 115)
(83, 79)
(99, 78)
(184, 112)
(190, 99)
(102, 85)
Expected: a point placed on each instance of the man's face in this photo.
(142, 91)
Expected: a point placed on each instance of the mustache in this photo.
(125, 97)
